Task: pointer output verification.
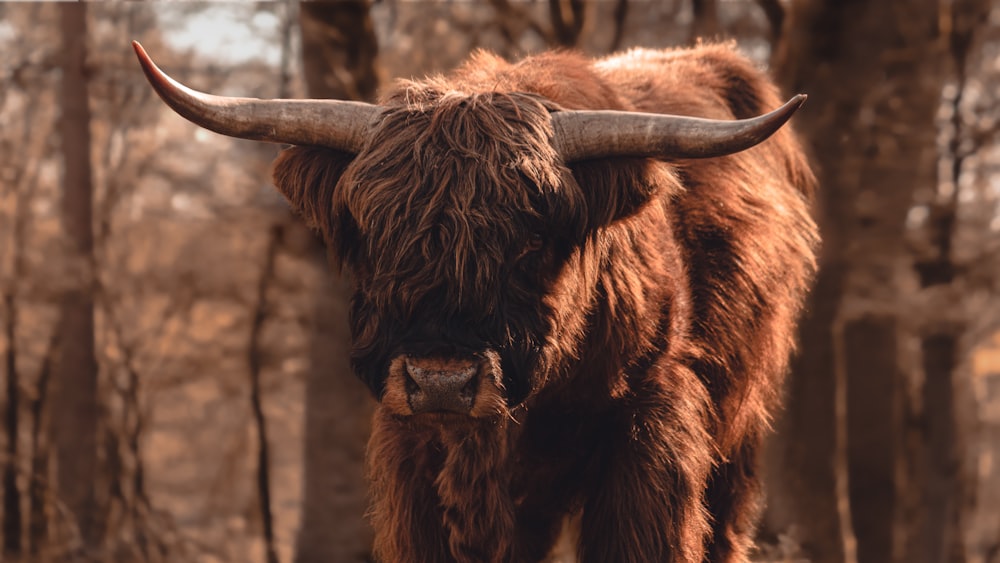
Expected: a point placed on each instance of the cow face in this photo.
(456, 222)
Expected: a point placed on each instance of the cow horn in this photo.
(335, 124)
(582, 135)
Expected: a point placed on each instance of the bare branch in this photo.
(620, 15)
(12, 520)
(23, 182)
(263, 455)
(775, 14)
(567, 21)
(38, 523)
(514, 20)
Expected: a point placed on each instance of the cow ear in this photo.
(308, 177)
(618, 188)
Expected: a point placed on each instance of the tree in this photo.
(338, 55)
(75, 409)
(858, 465)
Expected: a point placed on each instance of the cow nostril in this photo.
(409, 383)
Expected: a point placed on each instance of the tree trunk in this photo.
(75, 408)
(338, 51)
(950, 413)
(874, 72)
(705, 19)
(12, 518)
(255, 362)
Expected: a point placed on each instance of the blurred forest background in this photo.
(172, 347)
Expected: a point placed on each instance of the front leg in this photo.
(403, 463)
(648, 501)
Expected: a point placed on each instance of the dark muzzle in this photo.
(436, 384)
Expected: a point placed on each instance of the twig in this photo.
(263, 456)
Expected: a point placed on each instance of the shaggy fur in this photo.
(637, 315)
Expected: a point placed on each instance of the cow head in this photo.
(459, 220)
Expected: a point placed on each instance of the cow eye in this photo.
(534, 243)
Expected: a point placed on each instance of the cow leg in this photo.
(734, 501)
(553, 452)
(403, 462)
(647, 504)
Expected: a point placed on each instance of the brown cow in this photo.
(574, 305)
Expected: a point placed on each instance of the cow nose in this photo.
(442, 385)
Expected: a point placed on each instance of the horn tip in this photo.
(144, 59)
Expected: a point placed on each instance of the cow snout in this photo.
(442, 385)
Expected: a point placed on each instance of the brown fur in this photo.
(636, 354)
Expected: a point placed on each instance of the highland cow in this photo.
(576, 285)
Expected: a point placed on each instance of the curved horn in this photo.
(329, 123)
(581, 135)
